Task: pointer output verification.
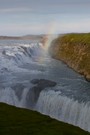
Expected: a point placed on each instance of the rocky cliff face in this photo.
(74, 50)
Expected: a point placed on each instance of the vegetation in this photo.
(73, 49)
(16, 121)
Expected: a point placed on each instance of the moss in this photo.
(16, 121)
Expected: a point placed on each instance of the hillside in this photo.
(74, 50)
(16, 121)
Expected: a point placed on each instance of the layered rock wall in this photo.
(74, 50)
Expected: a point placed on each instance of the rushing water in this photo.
(22, 61)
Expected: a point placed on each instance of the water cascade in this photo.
(64, 109)
(69, 98)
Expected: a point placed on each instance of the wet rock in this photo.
(35, 81)
(18, 88)
(33, 93)
(43, 83)
(87, 78)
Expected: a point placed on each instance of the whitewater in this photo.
(21, 61)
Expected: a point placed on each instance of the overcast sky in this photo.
(21, 17)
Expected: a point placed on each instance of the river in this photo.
(22, 61)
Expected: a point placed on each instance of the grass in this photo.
(16, 121)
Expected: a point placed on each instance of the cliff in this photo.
(17, 121)
(74, 50)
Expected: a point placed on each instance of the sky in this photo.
(23, 17)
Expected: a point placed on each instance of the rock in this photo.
(33, 94)
(43, 83)
(88, 78)
(74, 50)
(35, 81)
(18, 89)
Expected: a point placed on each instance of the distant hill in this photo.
(42, 37)
(26, 37)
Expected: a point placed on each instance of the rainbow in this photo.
(49, 36)
(47, 40)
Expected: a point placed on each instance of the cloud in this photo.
(45, 6)
(80, 26)
(18, 17)
(39, 28)
(20, 29)
(12, 10)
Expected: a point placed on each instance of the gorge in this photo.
(30, 78)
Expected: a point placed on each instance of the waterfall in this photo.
(13, 56)
(64, 109)
(20, 63)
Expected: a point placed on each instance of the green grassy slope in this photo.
(16, 121)
(73, 49)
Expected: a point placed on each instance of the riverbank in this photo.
(22, 122)
(74, 50)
